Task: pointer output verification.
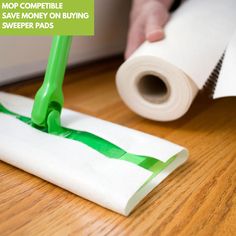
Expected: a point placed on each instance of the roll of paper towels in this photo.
(160, 80)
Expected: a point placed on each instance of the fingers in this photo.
(136, 37)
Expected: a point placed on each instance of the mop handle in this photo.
(49, 97)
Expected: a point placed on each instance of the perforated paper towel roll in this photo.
(161, 80)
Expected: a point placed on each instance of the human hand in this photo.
(147, 20)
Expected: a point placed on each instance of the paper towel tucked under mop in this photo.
(160, 80)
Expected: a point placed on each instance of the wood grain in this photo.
(197, 199)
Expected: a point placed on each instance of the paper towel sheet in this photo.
(226, 84)
(197, 36)
(114, 184)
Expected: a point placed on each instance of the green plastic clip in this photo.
(49, 99)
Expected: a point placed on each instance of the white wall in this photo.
(22, 57)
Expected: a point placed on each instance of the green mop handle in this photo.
(50, 96)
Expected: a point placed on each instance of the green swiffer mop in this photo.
(48, 106)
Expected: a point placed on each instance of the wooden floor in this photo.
(197, 199)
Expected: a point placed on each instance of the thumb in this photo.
(136, 37)
(154, 25)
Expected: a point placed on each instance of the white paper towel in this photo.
(115, 184)
(161, 79)
(226, 85)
